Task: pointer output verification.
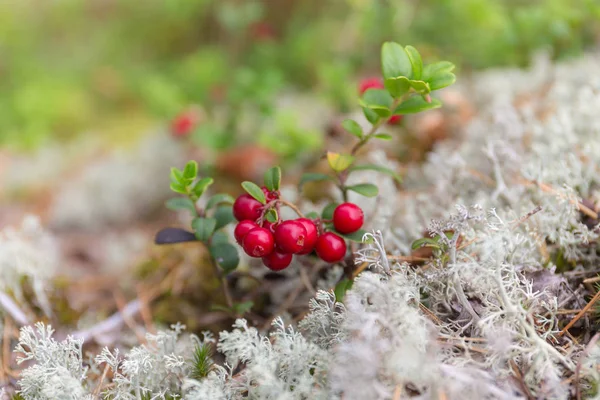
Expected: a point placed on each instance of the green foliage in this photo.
(255, 191)
(202, 363)
(273, 178)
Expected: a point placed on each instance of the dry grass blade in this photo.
(580, 314)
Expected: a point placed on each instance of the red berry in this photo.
(290, 236)
(270, 225)
(247, 207)
(330, 247)
(270, 196)
(242, 228)
(370, 83)
(311, 235)
(277, 261)
(184, 124)
(395, 119)
(258, 242)
(348, 218)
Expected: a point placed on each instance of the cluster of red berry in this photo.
(376, 83)
(277, 242)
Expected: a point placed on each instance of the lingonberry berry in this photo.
(289, 236)
(270, 195)
(247, 207)
(270, 225)
(330, 247)
(370, 83)
(394, 119)
(242, 228)
(276, 261)
(311, 235)
(184, 123)
(258, 242)
(347, 218)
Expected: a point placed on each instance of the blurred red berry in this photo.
(258, 242)
(247, 207)
(348, 218)
(277, 261)
(370, 83)
(311, 235)
(184, 123)
(395, 119)
(289, 236)
(330, 247)
(242, 228)
(262, 31)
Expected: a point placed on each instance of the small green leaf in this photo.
(355, 236)
(219, 237)
(191, 170)
(339, 162)
(420, 87)
(176, 175)
(378, 168)
(243, 308)
(204, 228)
(272, 215)
(383, 136)
(353, 127)
(253, 190)
(415, 61)
(219, 198)
(327, 212)
(181, 203)
(341, 288)
(225, 255)
(178, 188)
(370, 115)
(436, 68)
(424, 242)
(378, 100)
(395, 61)
(313, 177)
(397, 87)
(417, 104)
(224, 216)
(312, 215)
(442, 80)
(273, 178)
(366, 189)
(201, 186)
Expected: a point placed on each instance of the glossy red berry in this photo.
(290, 236)
(247, 207)
(370, 83)
(348, 218)
(394, 119)
(276, 261)
(258, 242)
(270, 195)
(242, 228)
(270, 225)
(330, 247)
(311, 235)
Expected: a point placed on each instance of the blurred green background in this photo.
(117, 68)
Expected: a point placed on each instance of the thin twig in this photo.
(99, 386)
(397, 392)
(111, 323)
(581, 313)
(13, 309)
(582, 356)
(521, 381)
(292, 206)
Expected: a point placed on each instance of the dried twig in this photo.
(581, 313)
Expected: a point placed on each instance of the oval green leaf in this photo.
(395, 61)
(272, 215)
(201, 186)
(383, 136)
(397, 87)
(353, 127)
(436, 68)
(191, 170)
(365, 189)
(417, 104)
(204, 228)
(219, 198)
(327, 212)
(339, 162)
(223, 215)
(253, 190)
(313, 177)
(415, 61)
(181, 203)
(441, 81)
(378, 168)
(225, 255)
(273, 178)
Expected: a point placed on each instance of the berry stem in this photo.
(292, 206)
(224, 285)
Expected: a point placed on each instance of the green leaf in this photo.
(378, 100)
(366, 189)
(272, 215)
(219, 198)
(397, 87)
(176, 175)
(378, 168)
(327, 212)
(243, 308)
(313, 177)
(312, 215)
(395, 61)
(420, 87)
(442, 80)
(253, 190)
(383, 136)
(225, 255)
(353, 127)
(219, 237)
(201, 186)
(424, 242)
(224, 216)
(191, 170)
(371, 115)
(273, 178)
(181, 203)
(415, 61)
(178, 188)
(204, 228)
(341, 288)
(417, 104)
(355, 236)
(339, 162)
(436, 68)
